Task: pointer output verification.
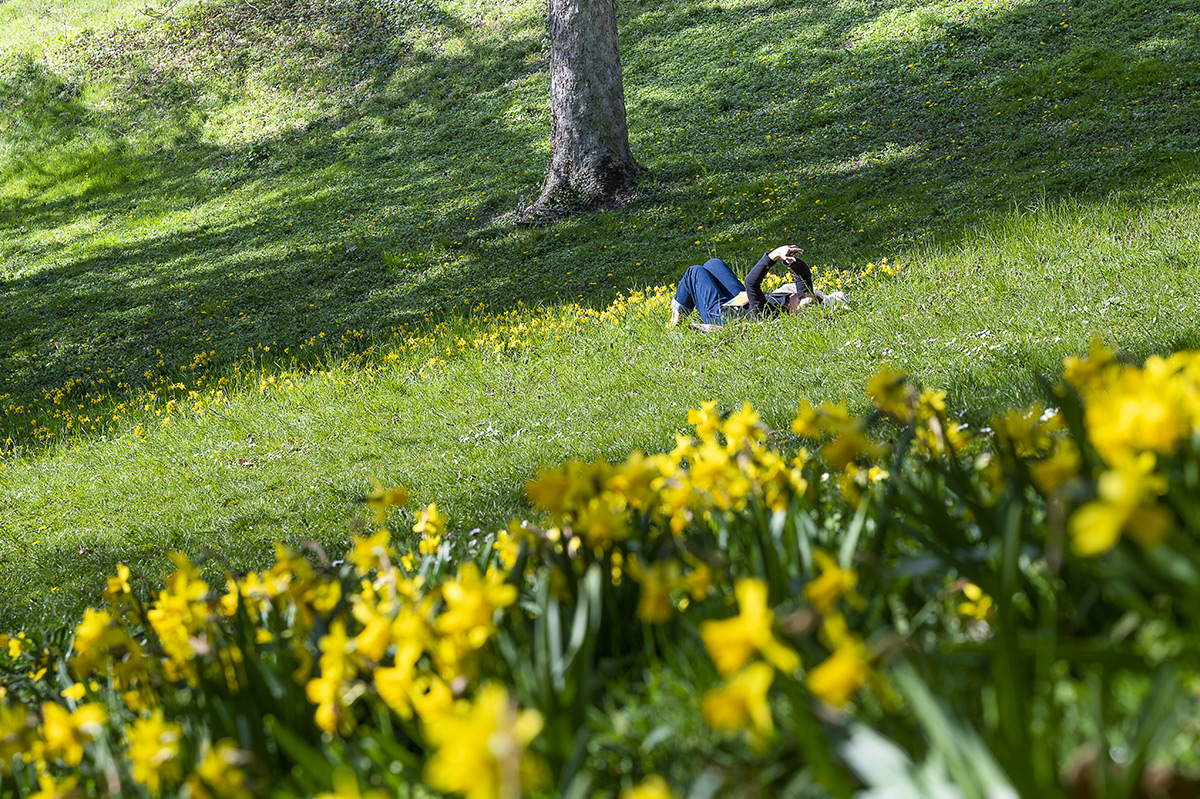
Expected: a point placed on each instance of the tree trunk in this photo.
(591, 164)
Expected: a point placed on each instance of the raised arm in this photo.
(790, 255)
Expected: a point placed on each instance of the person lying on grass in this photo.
(715, 292)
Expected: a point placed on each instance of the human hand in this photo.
(787, 253)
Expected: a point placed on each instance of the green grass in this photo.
(201, 197)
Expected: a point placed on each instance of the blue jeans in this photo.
(707, 288)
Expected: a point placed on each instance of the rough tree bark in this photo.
(591, 164)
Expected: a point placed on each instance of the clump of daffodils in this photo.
(411, 656)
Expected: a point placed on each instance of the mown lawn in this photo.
(257, 255)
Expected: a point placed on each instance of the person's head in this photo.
(798, 302)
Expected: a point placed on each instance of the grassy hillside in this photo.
(256, 255)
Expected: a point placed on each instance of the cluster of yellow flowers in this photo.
(1136, 420)
(109, 400)
(724, 469)
(418, 634)
(409, 632)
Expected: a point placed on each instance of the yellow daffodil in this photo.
(705, 420)
(64, 732)
(833, 583)
(153, 750)
(742, 428)
(1127, 494)
(480, 747)
(432, 526)
(471, 604)
(16, 728)
(979, 606)
(1052, 472)
(328, 690)
(49, 788)
(837, 678)
(653, 787)
(657, 583)
(599, 524)
(741, 704)
(548, 491)
(118, 587)
(731, 642)
(889, 389)
(219, 773)
(380, 499)
(368, 551)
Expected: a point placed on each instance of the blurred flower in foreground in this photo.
(741, 704)
(481, 746)
(731, 642)
(653, 787)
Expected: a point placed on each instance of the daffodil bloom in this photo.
(889, 389)
(1136, 410)
(431, 525)
(328, 691)
(1026, 430)
(368, 551)
(154, 750)
(118, 587)
(653, 787)
(705, 420)
(179, 612)
(380, 499)
(1050, 473)
(218, 773)
(632, 480)
(657, 583)
(931, 403)
(15, 731)
(49, 788)
(507, 544)
(979, 606)
(833, 584)
(64, 732)
(1127, 494)
(850, 444)
(74, 692)
(731, 642)
(741, 428)
(837, 678)
(471, 604)
(431, 698)
(824, 419)
(599, 524)
(741, 704)
(480, 747)
(548, 491)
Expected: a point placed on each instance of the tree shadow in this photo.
(380, 211)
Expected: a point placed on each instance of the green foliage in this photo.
(936, 610)
(195, 193)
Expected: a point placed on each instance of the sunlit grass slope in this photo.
(257, 255)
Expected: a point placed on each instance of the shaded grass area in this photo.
(209, 194)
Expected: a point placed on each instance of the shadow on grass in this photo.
(135, 244)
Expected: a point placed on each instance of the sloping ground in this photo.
(211, 196)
